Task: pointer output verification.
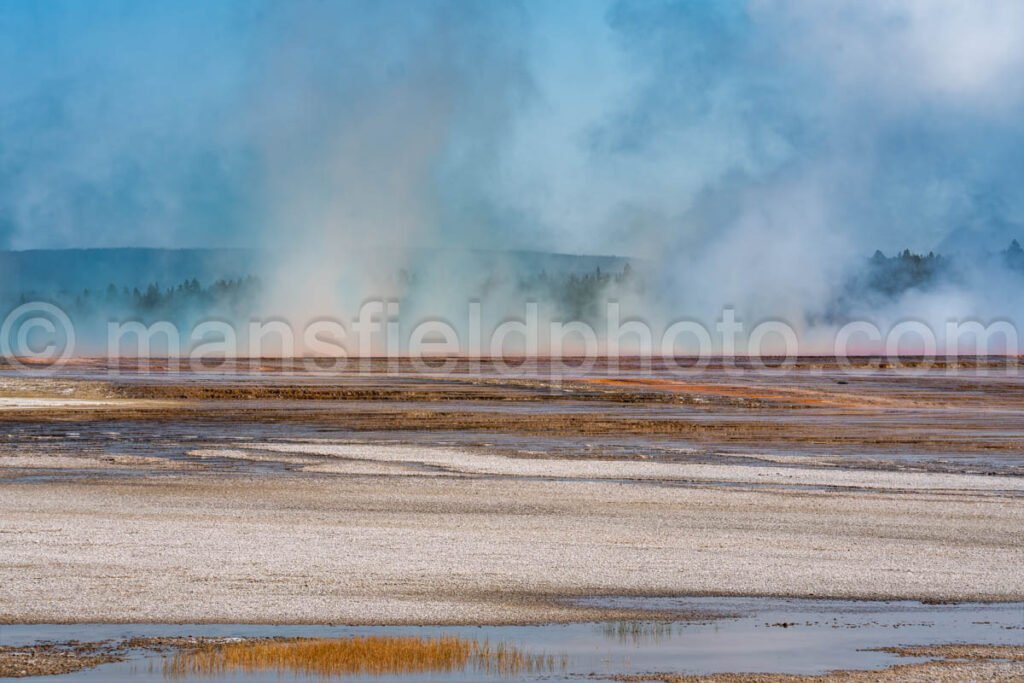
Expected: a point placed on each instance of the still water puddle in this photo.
(767, 635)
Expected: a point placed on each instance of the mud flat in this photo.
(399, 534)
(268, 498)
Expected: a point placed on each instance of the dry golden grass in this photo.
(365, 655)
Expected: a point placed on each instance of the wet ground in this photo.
(950, 418)
(795, 636)
(283, 496)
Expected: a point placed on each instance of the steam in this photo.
(380, 127)
(747, 155)
(822, 132)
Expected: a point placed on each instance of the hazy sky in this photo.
(577, 125)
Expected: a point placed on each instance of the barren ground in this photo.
(479, 498)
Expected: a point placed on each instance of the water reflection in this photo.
(637, 632)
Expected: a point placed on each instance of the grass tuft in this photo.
(364, 655)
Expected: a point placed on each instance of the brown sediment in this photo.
(868, 432)
(51, 659)
(538, 364)
(805, 409)
(960, 651)
(951, 664)
(788, 396)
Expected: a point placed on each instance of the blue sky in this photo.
(617, 126)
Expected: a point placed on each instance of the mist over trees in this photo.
(222, 297)
(581, 296)
(886, 279)
(893, 275)
(577, 295)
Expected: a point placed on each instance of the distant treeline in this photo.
(190, 295)
(580, 296)
(577, 295)
(893, 275)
